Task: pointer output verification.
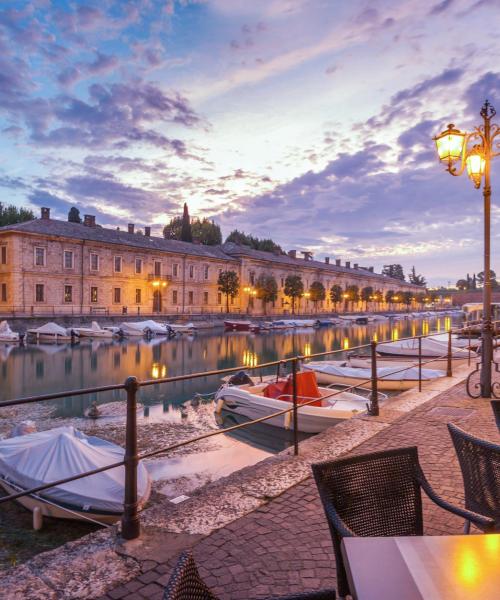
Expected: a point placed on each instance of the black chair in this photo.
(495, 406)
(376, 494)
(186, 584)
(480, 464)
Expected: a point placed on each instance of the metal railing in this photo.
(130, 524)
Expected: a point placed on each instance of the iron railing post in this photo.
(295, 413)
(469, 354)
(130, 520)
(419, 363)
(449, 371)
(374, 395)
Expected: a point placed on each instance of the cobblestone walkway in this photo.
(285, 545)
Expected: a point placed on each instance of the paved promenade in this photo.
(284, 545)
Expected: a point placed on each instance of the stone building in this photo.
(54, 267)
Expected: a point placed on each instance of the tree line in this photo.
(266, 290)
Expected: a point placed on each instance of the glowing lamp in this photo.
(156, 283)
(450, 144)
(475, 165)
(345, 296)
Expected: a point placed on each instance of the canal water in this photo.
(167, 412)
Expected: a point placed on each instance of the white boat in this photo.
(388, 378)
(430, 348)
(182, 328)
(249, 400)
(34, 459)
(94, 331)
(440, 364)
(51, 333)
(6, 333)
(297, 322)
(132, 330)
(155, 328)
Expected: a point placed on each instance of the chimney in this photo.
(370, 269)
(147, 231)
(89, 220)
(327, 260)
(356, 265)
(307, 255)
(337, 262)
(45, 212)
(292, 253)
(131, 228)
(347, 264)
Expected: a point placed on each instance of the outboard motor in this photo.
(240, 378)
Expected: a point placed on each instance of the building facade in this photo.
(55, 267)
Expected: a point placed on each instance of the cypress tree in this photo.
(186, 233)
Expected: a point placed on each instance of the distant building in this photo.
(53, 267)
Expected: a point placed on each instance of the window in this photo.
(252, 277)
(219, 297)
(3, 255)
(138, 296)
(39, 257)
(232, 299)
(191, 298)
(39, 292)
(3, 293)
(157, 268)
(94, 261)
(205, 297)
(117, 295)
(191, 271)
(138, 265)
(174, 297)
(206, 272)
(282, 282)
(175, 270)
(93, 294)
(117, 261)
(68, 293)
(68, 259)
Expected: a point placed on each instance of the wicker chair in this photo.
(186, 584)
(376, 494)
(480, 464)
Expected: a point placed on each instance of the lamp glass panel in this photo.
(449, 145)
(475, 165)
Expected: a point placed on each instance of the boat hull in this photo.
(382, 384)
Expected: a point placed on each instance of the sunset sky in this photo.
(308, 121)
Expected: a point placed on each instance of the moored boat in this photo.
(35, 459)
(241, 325)
(255, 401)
(410, 347)
(7, 335)
(388, 377)
(51, 333)
(94, 331)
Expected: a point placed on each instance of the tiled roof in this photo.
(236, 250)
(112, 236)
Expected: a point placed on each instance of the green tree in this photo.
(394, 271)
(336, 295)
(172, 231)
(416, 279)
(74, 215)
(378, 296)
(389, 297)
(352, 292)
(206, 232)
(229, 284)
(267, 289)
(294, 288)
(493, 277)
(406, 298)
(317, 293)
(462, 284)
(366, 295)
(243, 239)
(186, 232)
(10, 215)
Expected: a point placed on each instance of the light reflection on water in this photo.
(52, 368)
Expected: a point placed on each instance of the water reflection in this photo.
(50, 368)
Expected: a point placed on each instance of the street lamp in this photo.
(454, 145)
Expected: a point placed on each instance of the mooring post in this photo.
(419, 363)
(449, 371)
(295, 413)
(130, 520)
(374, 395)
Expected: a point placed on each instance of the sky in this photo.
(307, 121)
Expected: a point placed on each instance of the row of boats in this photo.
(54, 333)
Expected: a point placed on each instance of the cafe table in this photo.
(455, 567)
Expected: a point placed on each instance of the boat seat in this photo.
(307, 388)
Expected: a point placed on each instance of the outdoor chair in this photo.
(495, 407)
(186, 584)
(376, 494)
(480, 464)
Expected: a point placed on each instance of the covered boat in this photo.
(132, 330)
(263, 399)
(188, 328)
(155, 328)
(388, 377)
(241, 325)
(50, 333)
(94, 331)
(34, 459)
(6, 333)
(430, 348)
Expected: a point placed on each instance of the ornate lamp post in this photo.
(455, 146)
